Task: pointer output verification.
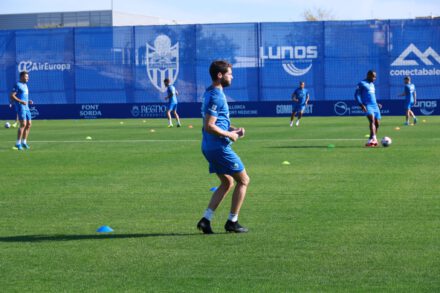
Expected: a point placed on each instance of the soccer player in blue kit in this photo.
(20, 96)
(365, 95)
(172, 102)
(218, 135)
(300, 97)
(410, 99)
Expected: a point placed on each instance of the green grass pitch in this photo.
(342, 219)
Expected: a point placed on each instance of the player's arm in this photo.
(357, 98)
(307, 98)
(294, 98)
(210, 127)
(403, 93)
(13, 97)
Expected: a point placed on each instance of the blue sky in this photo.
(206, 11)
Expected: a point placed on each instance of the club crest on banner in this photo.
(162, 61)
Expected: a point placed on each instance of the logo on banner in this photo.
(135, 111)
(34, 112)
(341, 108)
(426, 107)
(423, 57)
(288, 108)
(162, 62)
(44, 66)
(412, 56)
(149, 111)
(296, 60)
(90, 111)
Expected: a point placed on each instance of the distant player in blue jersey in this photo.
(300, 98)
(410, 99)
(172, 102)
(218, 136)
(365, 95)
(20, 96)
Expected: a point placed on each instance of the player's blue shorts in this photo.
(409, 105)
(172, 107)
(298, 108)
(373, 110)
(24, 114)
(223, 161)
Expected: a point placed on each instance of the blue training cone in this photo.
(104, 229)
(213, 188)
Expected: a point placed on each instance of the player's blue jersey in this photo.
(22, 92)
(301, 95)
(171, 90)
(366, 93)
(410, 89)
(215, 104)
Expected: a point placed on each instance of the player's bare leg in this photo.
(226, 184)
(170, 123)
(26, 131)
(407, 114)
(177, 118)
(373, 124)
(411, 113)
(238, 197)
(292, 117)
(20, 134)
(300, 114)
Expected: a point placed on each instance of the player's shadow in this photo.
(311, 147)
(61, 237)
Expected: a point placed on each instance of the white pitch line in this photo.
(189, 140)
(114, 141)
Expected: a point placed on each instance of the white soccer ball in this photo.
(7, 125)
(386, 141)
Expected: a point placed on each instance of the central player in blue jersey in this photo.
(365, 95)
(20, 96)
(172, 102)
(218, 136)
(410, 99)
(300, 97)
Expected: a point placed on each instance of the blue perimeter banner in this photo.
(127, 65)
(237, 109)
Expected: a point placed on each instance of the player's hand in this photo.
(233, 136)
(380, 106)
(23, 102)
(364, 109)
(240, 131)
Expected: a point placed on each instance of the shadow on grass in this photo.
(43, 238)
(312, 147)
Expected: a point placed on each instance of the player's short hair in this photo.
(302, 82)
(407, 77)
(166, 80)
(23, 73)
(370, 72)
(218, 66)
